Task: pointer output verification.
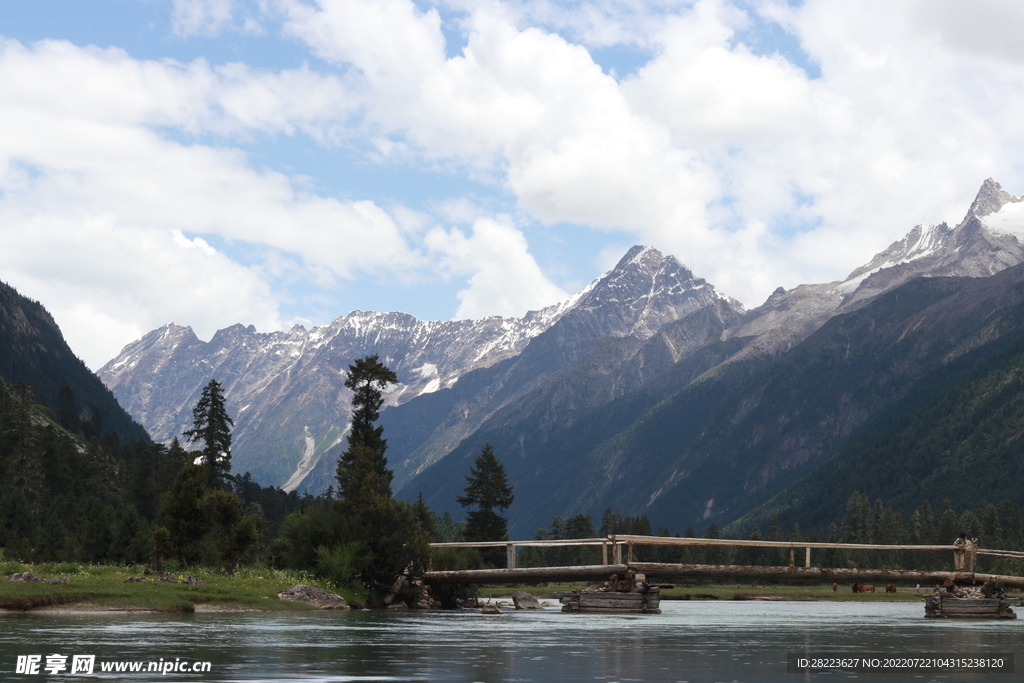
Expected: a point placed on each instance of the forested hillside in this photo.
(33, 350)
(68, 496)
(958, 435)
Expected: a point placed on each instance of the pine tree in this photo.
(857, 525)
(211, 424)
(367, 378)
(380, 537)
(183, 519)
(488, 491)
(611, 522)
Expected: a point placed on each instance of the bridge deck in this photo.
(623, 545)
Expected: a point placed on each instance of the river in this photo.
(690, 641)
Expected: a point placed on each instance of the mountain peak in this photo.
(991, 198)
(648, 258)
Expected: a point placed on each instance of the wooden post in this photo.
(807, 559)
(604, 553)
(792, 558)
(510, 554)
(971, 554)
(618, 551)
(629, 553)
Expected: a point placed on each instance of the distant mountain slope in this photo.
(793, 414)
(32, 349)
(635, 300)
(649, 391)
(543, 438)
(286, 390)
(958, 434)
(988, 239)
(807, 369)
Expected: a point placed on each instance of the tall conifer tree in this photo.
(488, 491)
(363, 468)
(380, 537)
(211, 424)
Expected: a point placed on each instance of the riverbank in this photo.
(104, 589)
(92, 588)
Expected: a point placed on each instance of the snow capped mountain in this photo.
(989, 239)
(637, 299)
(984, 243)
(648, 321)
(286, 389)
(292, 383)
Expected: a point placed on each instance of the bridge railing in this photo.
(615, 545)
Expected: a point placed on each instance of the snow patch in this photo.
(645, 249)
(306, 463)
(852, 284)
(921, 242)
(1009, 220)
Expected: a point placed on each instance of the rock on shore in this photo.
(313, 596)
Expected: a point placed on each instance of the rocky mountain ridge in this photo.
(597, 371)
(989, 239)
(286, 389)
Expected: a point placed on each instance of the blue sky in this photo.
(280, 162)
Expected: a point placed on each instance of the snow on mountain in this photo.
(919, 243)
(984, 243)
(645, 292)
(286, 389)
(1009, 220)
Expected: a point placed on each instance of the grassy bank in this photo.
(103, 588)
(97, 587)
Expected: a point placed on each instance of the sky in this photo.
(284, 162)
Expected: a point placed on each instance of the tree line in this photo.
(995, 525)
(75, 493)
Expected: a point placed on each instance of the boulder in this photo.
(193, 581)
(313, 596)
(137, 579)
(524, 600)
(168, 577)
(491, 608)
(29, 577)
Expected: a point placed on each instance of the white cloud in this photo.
(731, 159)
(504, 278)
(201, 17)
(91, 194)
(752, 171)
(107, 283)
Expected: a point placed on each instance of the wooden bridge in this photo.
(617, 557)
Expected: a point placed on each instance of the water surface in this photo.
(690, 641)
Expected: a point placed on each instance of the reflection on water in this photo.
(689, 641)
